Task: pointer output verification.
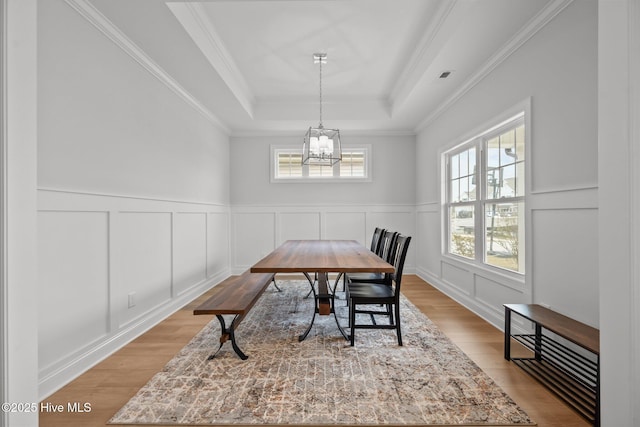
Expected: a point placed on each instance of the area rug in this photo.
(322, 380)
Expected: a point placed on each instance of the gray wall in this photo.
(556, 72)
(264, 214)
(133, 199)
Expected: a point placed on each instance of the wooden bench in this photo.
(555, 363)
(235, 295)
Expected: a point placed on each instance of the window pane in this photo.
(504, 238)
(493, 153)
(316, 170)
(455, 190)
(472, 161)
(462, 231)
(520, 143)
(472, 189)
(464, 163)
(352, 164)
(462, 179)
(493, 183)
(508, 184)
(464, 189)
(519, 179)
(455, 166)
(508, 147)
(289, 165)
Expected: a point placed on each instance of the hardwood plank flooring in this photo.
(111, 383)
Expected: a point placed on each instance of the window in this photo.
(485, 195)
(288, 167)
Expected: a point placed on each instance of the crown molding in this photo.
(193, 17)
(113, 33)
(264, 133)
(534, 25)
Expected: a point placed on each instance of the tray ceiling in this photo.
(248, 63)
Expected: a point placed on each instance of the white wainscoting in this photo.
(257, 230)
(121, 264)
(561, 259)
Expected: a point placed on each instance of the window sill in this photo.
(320, 180)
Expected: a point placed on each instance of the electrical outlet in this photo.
(132, 299)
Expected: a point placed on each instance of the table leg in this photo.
(315, 307)
(324, 297)
(324, 303)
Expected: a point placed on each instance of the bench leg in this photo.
(228, 333)
(507, 333)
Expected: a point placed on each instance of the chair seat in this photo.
(363, 291)
(366, 277)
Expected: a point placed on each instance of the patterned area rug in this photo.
(322, 380)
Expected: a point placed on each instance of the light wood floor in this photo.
(110, 384)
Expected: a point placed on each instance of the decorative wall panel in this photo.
(566, 262)
(299, 226)
(189, 250)
(73, 283)
(143, 260)
(112, 266)
(254, 236)
(458, 278)
(348, 226)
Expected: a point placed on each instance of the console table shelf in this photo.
(566, 372)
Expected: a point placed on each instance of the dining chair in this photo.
(386, 251)
(375, 294)
(376, 244)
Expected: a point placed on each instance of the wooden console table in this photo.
(572, 376)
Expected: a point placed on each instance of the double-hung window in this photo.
(485, 196)
(288, 167)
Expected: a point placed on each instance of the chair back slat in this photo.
(376, 239)
(400, 254)
(387, 246)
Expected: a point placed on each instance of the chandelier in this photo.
(321, 146)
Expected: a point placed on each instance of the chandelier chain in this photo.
(320, 93)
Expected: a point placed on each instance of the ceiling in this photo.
(249, 63)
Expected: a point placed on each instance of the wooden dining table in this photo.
(319, 258)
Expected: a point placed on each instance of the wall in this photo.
(18, 144)
(265, 214)
(133, 199)
(556, 72)
(619, 220)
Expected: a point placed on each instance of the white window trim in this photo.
(489, 127)
(273, 158)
